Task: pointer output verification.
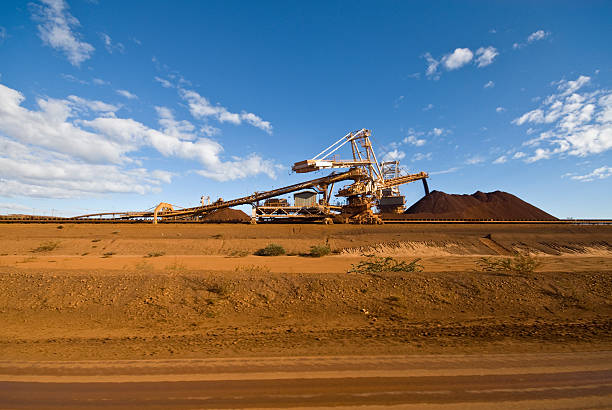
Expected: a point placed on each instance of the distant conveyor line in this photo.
(60, 220)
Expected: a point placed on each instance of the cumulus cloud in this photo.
(201, 108)
(575, 123)
(485, 56)
(30, 171)
(457, 59)
(56, 30)
(500, 109)
(209, 130)
(501, 160)
(411, 139)
(75, 147)
(598, 173)
(394, 155)
(537, 35)
(437, 131)
(127, 94)
(489, 84)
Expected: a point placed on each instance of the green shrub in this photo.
(375, 264)
(317, 251)
(271, 250)
(521, 264)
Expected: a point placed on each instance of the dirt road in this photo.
(542, 381)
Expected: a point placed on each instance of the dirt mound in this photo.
(226, 215)
(496, 205)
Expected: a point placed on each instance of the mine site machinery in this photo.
(373, 184)
(377, 182)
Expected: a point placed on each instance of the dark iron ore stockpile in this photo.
(225, 215)
(496, 205)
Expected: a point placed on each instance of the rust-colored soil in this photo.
(186, 291)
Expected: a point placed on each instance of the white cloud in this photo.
(537, 35)
(60, 151)
(446, 171)
(570, 87)
(178, 129)
(73, 79)
(579, 124)
(599, 173)
(477, 159)
(92, 105)
(99, 81)
(165, 83)
(500, 109)
(201, 108)
(419, 156)
(127, 94)
(457, 59)
(501, 160)
(241, 168)
(398, 101)
(428, 107)
(489, 84)
(432, 66)
(411, 139)
(437, 131)
(29, 171)
(56, 28)
(394, 155)
(15, 207)
(2, 34)
(486, 55)
(209, 130)
(518, 155)
(50, 127)
(110, 47)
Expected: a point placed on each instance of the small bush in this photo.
(108, 254)
(155, 254)
(317, 251)
(46, 247)
(271, 250)
(60, 227)
(375, 264)
(521, 264)
(237, 254)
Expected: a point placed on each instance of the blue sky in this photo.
(113, 105)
